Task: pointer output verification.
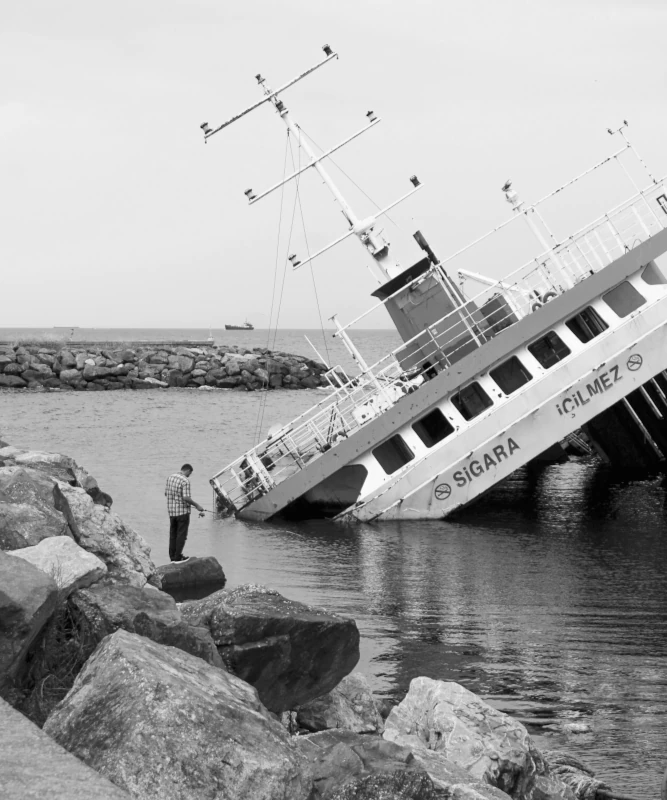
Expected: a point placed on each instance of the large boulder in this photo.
(290, 652)
(446, 719)
(55, 465)
(104, 533)
(27, 512)
(60, 557)
(147, 612)
(27, 599)
(192, 574)
(350, 766)
(161, 723)
(350, 706)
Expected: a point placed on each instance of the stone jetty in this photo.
(156, 366)
(243, 694)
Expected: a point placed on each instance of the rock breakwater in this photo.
(244, 694)
(91, 368)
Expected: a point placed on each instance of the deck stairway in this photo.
(363, 411)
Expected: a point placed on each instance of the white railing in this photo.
(356, 401)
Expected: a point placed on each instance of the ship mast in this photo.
(364, 229)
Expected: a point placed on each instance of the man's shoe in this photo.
(184, 558)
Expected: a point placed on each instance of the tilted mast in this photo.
(364, 229)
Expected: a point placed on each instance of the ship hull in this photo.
(458, 472)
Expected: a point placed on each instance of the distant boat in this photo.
(247, 326)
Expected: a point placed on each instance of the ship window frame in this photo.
(581, 326)
(432, 434)
(624, 299)
(395, 453)
(480, 394)
(506, 373)
(544, 357)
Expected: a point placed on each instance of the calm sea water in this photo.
(549, 598)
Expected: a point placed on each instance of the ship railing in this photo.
(614, 233)
(355, 401)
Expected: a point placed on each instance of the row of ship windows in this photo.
(509, 376)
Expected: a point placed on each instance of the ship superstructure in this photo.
(491, 373)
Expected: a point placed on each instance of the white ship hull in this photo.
(458, 471)
(484, 380)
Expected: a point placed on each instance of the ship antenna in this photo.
(363, 229)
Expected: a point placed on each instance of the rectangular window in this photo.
(587, 325)
(510, 375)
(433, 428)
(471, 401)
(549, 350)
(624, 299)
(393, 454)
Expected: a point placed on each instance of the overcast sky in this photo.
(115, 214)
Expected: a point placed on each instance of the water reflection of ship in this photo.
(247, 326)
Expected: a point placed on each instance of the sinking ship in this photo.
(491, 372)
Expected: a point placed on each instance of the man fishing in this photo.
(179, 502)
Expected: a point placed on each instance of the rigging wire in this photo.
(312, 272)
(262, 402)
(352, 181)
(262, 406)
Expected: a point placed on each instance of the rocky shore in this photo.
(92, 368)
(242, 693)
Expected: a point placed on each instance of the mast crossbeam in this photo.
(208, 133)
(314, 161)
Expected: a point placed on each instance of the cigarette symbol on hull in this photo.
(634, 362)
(442, 491)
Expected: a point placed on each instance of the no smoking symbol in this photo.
(634, 362)
(442, 491)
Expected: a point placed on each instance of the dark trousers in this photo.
(178, 533)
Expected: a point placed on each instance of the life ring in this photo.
(549, 296)
(535, 306)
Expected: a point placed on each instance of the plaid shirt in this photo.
(178, 487)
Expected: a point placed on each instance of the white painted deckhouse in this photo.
(491, 373)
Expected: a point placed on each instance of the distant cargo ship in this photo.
(247, 326)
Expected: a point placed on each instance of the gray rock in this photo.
(192, 573)
(349, 765)
(291, 652)
(146, 612)
(10, 381)
(27, 599)
(32, 765)
(350, 706)
(95, 372)
(61, 558)
(14, 369)
(4, 360)
(184, 363)
(67, 359)
(161, 723)
(176, 378)
(70, 375)
(445, 718)
(104, 533)
(27, 511)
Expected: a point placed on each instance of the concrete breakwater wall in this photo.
(95, 368)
